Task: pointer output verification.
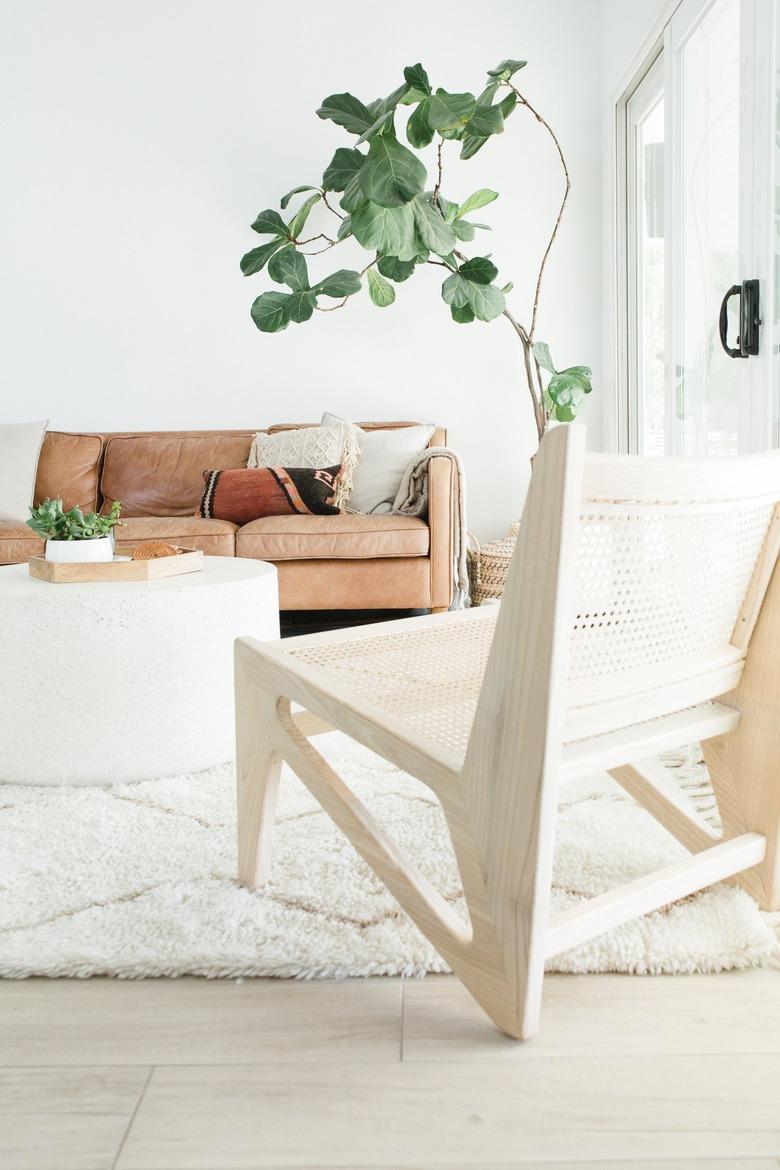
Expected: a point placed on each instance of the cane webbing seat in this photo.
(427, 679)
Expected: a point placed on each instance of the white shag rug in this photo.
(138, 880)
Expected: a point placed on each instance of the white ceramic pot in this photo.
(74, 552)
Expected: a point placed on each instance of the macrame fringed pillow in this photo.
(311, 447)
(241, 495)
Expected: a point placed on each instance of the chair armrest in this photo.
(440, 474)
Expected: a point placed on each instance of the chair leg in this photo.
(745, 764)
(258, 768)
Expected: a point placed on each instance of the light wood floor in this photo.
(629, 1073)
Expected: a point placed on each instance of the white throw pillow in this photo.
(384, 457)
(323, 446)
(20, 446)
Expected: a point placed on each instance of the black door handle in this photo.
(749, 320)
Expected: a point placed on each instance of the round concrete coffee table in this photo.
(118, 681)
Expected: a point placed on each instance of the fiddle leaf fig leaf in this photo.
(417, 79)
(455, 291)
(485, 300)
(448, 209)
(345, 228)
(395, 269)
(380, 290)
(479, 199)
(344, 165)
(566, 394)
(269, 312)
(450, 111)
(343, 283)
(479, 269)
(301, 305)
(257, 259)
(471, 144)
(270, 223)
(388, 104)
(347, 111)
(542, 355)
(485, 120)
(298, 222)
(418, 128)
(506, 69)
(464, 314)
(289, 267)
(382, 122)
(508, 104)
(583, 374)
(295, 191)
(382, 111)
(463, 230)
(353, 196)
(435, 233)
(392, 175)
(388, 230)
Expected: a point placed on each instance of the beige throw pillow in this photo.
(384, 457)
(322, 446)
(20, 446)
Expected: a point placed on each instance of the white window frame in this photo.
(637, 104)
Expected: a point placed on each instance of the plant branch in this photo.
(543, 122)
(330, 208)
(341, 304)
(437, 188)
(312, 239)
(534, 388)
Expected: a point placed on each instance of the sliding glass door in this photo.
(702, 367)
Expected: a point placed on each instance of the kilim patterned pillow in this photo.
(248, 493)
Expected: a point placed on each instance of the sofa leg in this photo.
(440, 609)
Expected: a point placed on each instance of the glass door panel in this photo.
(710, 387)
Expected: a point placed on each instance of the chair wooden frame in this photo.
(500, 800)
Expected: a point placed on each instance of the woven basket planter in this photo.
(489, 565)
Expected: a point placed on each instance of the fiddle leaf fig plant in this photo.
(379, 191)
(51, 522)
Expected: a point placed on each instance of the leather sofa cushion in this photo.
(347, 537)
(381, 583)
(162, 474)
(18, 543)
(215, 537)
(68, 467)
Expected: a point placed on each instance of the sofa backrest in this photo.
(69, 466)
(153, 473)
(161, 474)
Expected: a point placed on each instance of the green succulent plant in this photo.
(51, 522)
(388, 207)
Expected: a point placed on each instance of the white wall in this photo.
(142, 140)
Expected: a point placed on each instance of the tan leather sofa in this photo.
(324, 562)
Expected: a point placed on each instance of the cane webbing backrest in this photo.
(660, 574)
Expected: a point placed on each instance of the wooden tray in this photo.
(122, 568)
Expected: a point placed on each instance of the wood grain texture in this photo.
(66, 1118)
(189, 561)
(710, 1016)
(463, 1112)
(124, 1022)
(745, 765)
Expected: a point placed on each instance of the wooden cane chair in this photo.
(640, 614)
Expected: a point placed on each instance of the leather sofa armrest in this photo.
(440, 473)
